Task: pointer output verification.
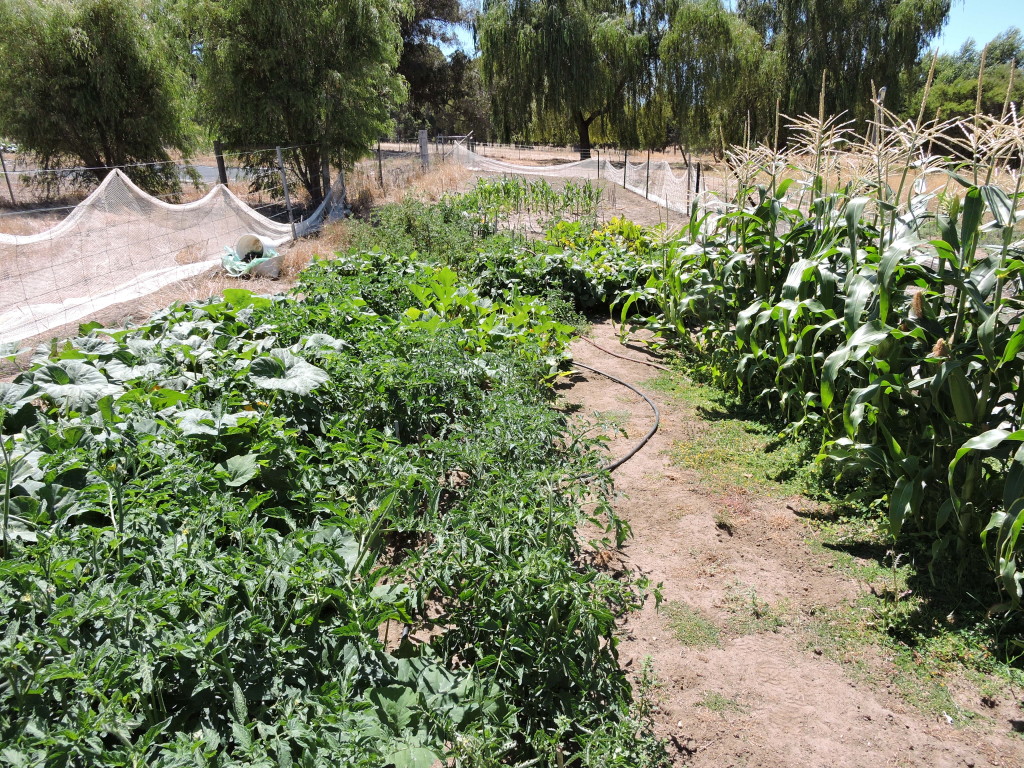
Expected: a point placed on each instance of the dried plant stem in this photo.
(977, 111)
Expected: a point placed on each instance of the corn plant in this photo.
(871, 296)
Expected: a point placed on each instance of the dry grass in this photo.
(403, 177)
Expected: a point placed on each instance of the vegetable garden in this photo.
(340, 526)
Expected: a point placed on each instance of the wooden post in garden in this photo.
(7, 178)
(284, 183)
(647, 183)
(625, 166)
(222, 171)
(380, 167)
(325, 169)
(424, 149)
(696, 186)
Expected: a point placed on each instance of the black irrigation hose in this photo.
(636, 448)
(652, 364)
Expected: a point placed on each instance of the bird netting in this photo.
(654, 180)
(118, 244)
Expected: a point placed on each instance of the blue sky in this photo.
(980, 19)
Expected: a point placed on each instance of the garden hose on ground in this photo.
(659, 366)
(650, 433)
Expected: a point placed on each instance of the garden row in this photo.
(333, 528)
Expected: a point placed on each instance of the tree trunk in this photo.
(583, 127)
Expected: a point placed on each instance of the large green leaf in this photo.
(74, 384)
(407, 756)
(395, 706)
(285, 371)
(239, 469)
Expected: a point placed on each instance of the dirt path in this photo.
(742, 648)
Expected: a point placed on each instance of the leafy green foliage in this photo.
(332, 528)
(93, 81)
(855, 43)
(567, 61)
(954, 92)
(900, 353)
(315, 74)
(715, 73)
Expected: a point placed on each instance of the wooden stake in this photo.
(7, 178)
(325, 169)
(284, 183)
(380, 168)
(222, 171)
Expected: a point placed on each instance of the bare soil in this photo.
(772, 691)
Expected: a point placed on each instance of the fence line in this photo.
(120, 243)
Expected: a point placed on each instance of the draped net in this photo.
(118, 244)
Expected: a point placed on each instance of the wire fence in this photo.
(65, 256)
(63, 260)
(668, 178)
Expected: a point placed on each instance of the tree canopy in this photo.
(954, 92)
(570, 60)
(316, 75)
(93, 82)
(446, 92)
(855, 42)
(716, 73)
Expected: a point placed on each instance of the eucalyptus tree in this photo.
(856, 43)
(92, 83)
(317, 75)
(565, 60)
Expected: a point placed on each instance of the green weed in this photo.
(716, 702)
(749, 614)
(731, 449)
(690, 627)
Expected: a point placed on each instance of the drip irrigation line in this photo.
(659, 366)
(636, 448)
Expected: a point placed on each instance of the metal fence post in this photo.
(284, 183)
(625, 166)
(647, 183)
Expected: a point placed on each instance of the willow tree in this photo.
(714, 73)
(854, 42)
(317, 75)
(571, 60)
(93, 83)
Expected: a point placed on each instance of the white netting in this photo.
(118, 244)
(654, 180)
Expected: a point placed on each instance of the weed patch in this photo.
(690, 627)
